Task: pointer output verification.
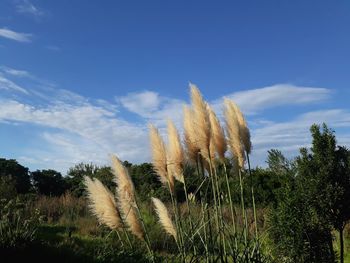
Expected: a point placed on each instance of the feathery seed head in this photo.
(102, 203)
(126, 197)
(217, 134)
(164, 217)
(121, 176)
(201, 121)
(191, 144)
(244, 130)
(233, 132)
(159, 158)
(175, 153)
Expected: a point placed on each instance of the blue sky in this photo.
(80, 80)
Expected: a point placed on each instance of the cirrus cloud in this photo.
(16, 36)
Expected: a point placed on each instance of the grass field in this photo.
(69, 233)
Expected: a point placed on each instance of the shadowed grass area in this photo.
(57, 243)
(346, 245)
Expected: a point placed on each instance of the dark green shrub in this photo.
(16, 228)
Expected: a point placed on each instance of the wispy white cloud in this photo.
(142, 103)
(255, 100)
(9, 85)
(85, 131)
(15, 72)
(156, 108)
(289, 136)
(153, 107)
(10, 34)
(26, 7)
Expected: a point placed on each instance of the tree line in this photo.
(17, 179)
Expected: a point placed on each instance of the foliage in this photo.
(16, 228)
(65, 208)
(54, 243)
(315, 200)
(7, 188)
(74, 178)
(266, 185)
(11, 170)
(146, 181)
(327, 167)
(48, 182)
(298, 233)
(279, 164)
(75, 175)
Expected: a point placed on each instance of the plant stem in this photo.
(180, 241)
(203, 214)
(220, 210)
(120, 239)
(253, 198)
(127, 237)
(189, 214)
(242, 204)
(341, 240)
(231, 205)
(147, 240)
(216, 205)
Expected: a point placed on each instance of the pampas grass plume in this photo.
(217, 134)
(159, 158)
(102, 203)
(201, 121)
(164, 217)
(122, 179)
(191, 144)
(233, 132)
(244, 130)
(126, 197)
(175, 153)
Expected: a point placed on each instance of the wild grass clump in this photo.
(17, 229)
(199, 229)
(63, 208)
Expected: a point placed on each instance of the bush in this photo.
(16, 228)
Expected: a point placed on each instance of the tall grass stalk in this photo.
(253, 198)
(180, 241)
(203, 206)
(189, 214)
(244, 216)
(220, 209)
(147, 240)
(231, 205)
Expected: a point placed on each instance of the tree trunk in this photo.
(341, 245)
(330, 242)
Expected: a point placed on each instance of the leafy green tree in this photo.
(266, 185)
(146, 181)
(299, 234)
(105, 175)
(279, 164)
(313, 197)
(75, 176)
(12, 170)
(327, 168)
(318, 202)
(7, 188)
(48, 182)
